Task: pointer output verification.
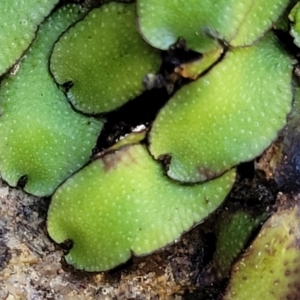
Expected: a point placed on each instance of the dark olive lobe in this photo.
(270, 266)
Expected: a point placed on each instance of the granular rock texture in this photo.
(31, 265)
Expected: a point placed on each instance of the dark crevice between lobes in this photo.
(287, 42)
(66, 86)
(139, 111)
(287, 174)
(143, 109)
(180, 54)
(165, 159)
(22, 181)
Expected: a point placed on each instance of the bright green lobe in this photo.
(162, 23)
(105, 58)
(122, 203)
(42, 138)
(18, 25)
(228, 116)
(258, 20)
(201, 23)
